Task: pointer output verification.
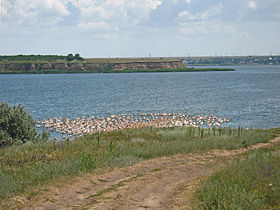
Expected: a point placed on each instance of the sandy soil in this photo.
(162, 183)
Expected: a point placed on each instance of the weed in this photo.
(201, 134)
(238, 132)
(220, 131)
(98, 140)
(87, 162)
(250, 183)
(214, 131)
(25, 166)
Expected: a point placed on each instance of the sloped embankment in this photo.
(88, 65)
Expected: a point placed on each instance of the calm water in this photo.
(249, 97)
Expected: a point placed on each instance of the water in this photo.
(249, 97)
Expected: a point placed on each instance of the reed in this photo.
(98, 140)
(220, 131)
(238, 132)
(198, 131)
(201, 134)
(230, 131)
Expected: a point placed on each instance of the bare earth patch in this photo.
(162, 183)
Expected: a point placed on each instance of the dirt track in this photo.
(163, 183)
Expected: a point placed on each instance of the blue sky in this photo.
(138, 28)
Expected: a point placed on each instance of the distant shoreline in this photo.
(232, 65)
(119, 71)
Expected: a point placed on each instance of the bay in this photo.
(249, 96)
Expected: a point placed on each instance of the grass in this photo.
(31, 165)
(127, 60)
(252, 182)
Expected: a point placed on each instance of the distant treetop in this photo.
(77, 56)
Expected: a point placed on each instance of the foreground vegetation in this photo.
(252, 182)
(17, 126)
(29, 165)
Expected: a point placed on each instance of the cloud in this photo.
(144, 23)
(210, 13)
(100, 26)
(73, 18)
(116, 12)
(33, 13)
(207, 28)
(86, 13)
(57, 5)
(166, 13)
(130, 14)
(252, 5)
(5, 7)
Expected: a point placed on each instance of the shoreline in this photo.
(232, 64)
(97, 124)
(120, 71)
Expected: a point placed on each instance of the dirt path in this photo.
(163, 183)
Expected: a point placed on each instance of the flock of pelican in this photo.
(90, 125)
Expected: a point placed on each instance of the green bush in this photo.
(17, 126)
(70, 57)
(78, 57)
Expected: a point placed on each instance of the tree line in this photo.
(50, 58)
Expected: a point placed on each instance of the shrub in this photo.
(17, 126)
(78, 57)
(70, 57)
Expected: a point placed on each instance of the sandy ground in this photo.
(162, 183)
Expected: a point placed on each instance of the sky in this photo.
(140, 28)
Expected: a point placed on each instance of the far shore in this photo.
(118, 71)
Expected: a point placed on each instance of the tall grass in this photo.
(249, 183)
(37, 164)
